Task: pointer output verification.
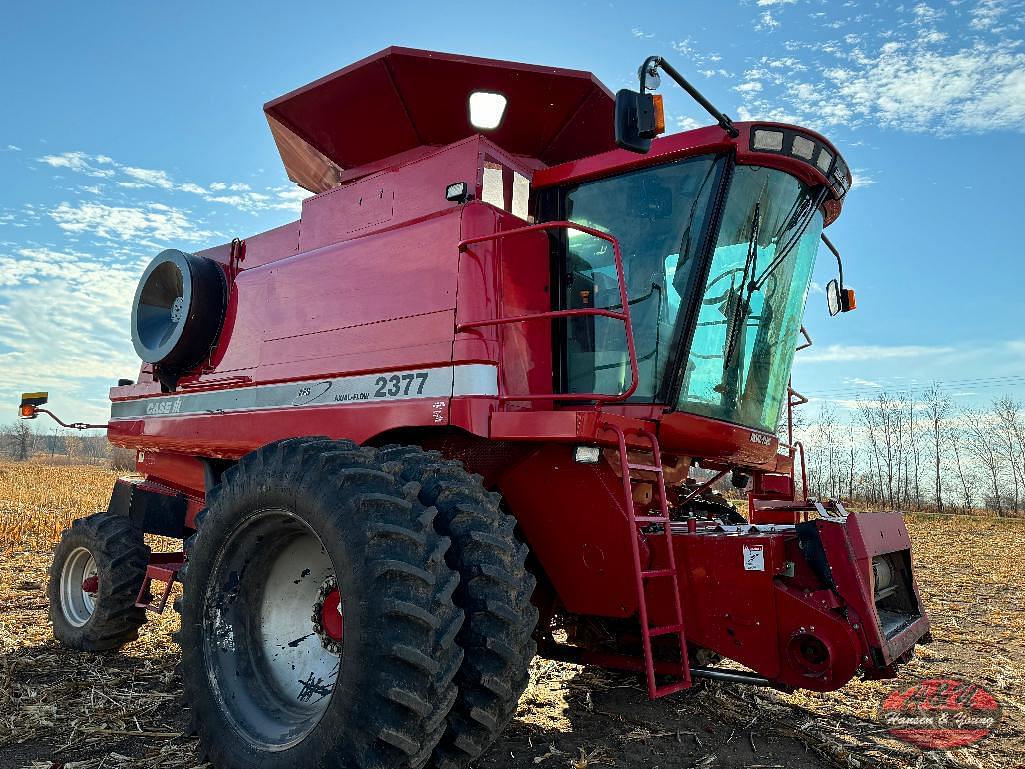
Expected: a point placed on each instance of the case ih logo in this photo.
(940, 714)
(161, 408)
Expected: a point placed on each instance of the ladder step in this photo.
(651, 573)
(651, 519)
(664, 630)
(646, 468)
(676, 686)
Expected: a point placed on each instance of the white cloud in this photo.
(640, 33)
(12, 148)
(837, 353)
(242, 196)
(65, 322)
(80, 162)
(690, 51)
(766, 22)
(910, 75)
(751, 86)
(149, 177)
(687, 123)
(152, 221)
(987, 14)
(862, 178)
(764, 3)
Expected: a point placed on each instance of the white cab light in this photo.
(587, 455)
(486, 109)
(803, 148)
(824, 160)
(768, 140)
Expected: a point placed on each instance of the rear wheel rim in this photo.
(273, 676)
(77, 603)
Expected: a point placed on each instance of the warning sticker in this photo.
(754, 557)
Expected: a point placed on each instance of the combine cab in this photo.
(471, 407)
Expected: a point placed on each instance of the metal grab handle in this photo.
(623, 316)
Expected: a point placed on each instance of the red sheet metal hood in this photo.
(401, 99)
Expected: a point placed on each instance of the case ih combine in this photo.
(470, 408)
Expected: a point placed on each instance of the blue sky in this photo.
(129, 128)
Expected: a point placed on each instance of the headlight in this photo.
(787, 141)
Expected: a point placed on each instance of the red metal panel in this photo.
(415, 341)
(873, 534)
(751, 615)
(230, 435)
(179, 471)
(577, 527)
(689, 143)
(400, 98)
(391, 197)
(697, 436)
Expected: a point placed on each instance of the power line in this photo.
(894, 385)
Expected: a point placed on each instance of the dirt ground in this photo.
(62, 710)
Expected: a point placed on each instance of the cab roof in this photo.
(401, 99)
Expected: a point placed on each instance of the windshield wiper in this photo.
(744, 298)
(784, 252)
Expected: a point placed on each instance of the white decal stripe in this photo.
(408, 384)
(476, 379)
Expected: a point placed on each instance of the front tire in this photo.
(98, 569)
(494, 593)
(318, 627)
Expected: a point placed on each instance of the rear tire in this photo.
(105, 553)
(287, 525)
(494, 593)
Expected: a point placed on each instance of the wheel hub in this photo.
(78, 587)
(327, 616)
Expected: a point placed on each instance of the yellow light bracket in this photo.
(30, 403)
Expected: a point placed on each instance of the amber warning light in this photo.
(30, 403)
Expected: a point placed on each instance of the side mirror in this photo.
(639, 119)
(839, 299)
(30, 403)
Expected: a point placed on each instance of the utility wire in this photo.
(891, 385)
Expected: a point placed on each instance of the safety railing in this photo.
(795, 399)
(622, 316)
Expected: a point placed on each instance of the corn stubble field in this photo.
(63, 710)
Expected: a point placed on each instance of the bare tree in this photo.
(937, 407)
(19, 440)
(981, 441)
(966, 486)
(1007, 415)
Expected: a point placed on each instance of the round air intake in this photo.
(178, 309)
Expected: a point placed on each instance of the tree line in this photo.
(900, 451)
(21, 441)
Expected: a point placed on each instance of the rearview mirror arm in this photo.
(653, 63)
(836, 253)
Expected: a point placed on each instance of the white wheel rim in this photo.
(269, 632)
(77, 605)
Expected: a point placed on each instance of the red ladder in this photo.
(643, 576)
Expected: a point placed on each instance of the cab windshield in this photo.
(742, 349)
(744, 308)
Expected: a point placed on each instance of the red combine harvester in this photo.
(471, 407)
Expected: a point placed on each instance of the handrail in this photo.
(623, 316)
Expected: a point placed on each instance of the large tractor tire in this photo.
(318, 624)
(98, 568)
(494, 592)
